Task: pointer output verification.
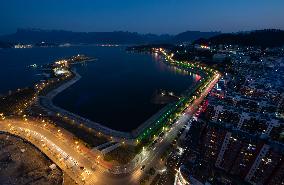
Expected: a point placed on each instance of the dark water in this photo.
(116, 90)
(14, 70)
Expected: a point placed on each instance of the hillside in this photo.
(263, 38)
(194, 35)
(60, 36)
(117, 37)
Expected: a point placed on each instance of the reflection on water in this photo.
(119, 90)
(159, 61)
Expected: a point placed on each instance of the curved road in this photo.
(73, 158)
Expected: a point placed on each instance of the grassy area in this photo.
(54, 83)
(121, 155)
(81, 132)
(16, 101)
(87, 135)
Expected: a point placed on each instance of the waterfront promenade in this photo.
(83, 164)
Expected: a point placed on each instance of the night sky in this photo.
(144, 16)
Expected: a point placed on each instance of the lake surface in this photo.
(116, 90)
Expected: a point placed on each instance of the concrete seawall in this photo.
(46, 102)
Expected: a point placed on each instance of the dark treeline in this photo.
(262, 38)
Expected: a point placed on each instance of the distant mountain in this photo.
(263, 38)
(117, 37)
(60, 36)
(194, 35)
